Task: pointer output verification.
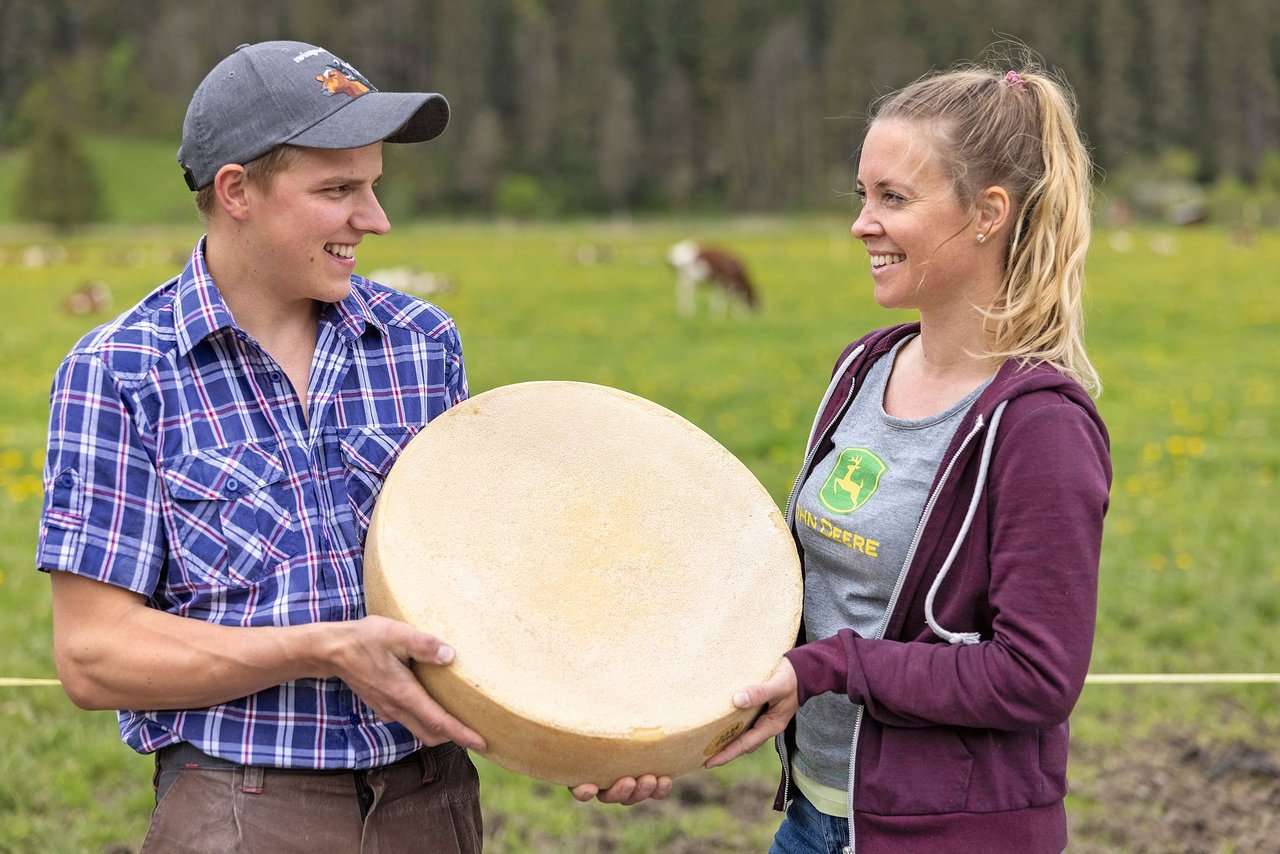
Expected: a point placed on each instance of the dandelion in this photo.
(1258, 393)
(1151, 453)
(1158, 562)
(1183, 561)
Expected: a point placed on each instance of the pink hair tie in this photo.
(1015, 80)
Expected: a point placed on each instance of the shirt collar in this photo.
(354, 314)
(200, 310)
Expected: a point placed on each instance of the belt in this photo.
(186, 755)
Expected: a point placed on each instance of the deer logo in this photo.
(853, 481)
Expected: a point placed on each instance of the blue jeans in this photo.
(804, 830)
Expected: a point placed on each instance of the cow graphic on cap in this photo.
(340, 78)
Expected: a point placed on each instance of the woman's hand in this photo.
(781, 696)
(628, 791)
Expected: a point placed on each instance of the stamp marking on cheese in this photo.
(718, 743)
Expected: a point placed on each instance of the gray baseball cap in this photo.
(268, 94)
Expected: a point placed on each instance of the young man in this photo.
(214, 455)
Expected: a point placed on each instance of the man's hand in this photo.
(374, 659)
(780, 693)
(628, 791)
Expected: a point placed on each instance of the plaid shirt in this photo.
(180, 467)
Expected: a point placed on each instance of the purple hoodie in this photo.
(962, 741)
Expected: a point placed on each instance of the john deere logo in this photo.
(853, 481)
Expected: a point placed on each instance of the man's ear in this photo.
(231, 189)
(994, 208)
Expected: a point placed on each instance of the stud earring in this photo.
(981, 237)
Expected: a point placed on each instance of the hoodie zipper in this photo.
(893, 603)
(779, 741)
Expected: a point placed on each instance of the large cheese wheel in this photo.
(607, 573)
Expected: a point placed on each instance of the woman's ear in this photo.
(230, 187)
(993, 209)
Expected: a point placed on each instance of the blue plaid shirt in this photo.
(180, 467)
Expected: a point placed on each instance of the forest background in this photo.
(568, 107)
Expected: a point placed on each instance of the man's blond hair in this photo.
(261, 171)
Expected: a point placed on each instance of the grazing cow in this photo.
(92, 297)
(723, 274)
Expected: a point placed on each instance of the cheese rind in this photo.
(608, 574)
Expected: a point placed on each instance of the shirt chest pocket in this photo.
(233, 515)
(367, 456)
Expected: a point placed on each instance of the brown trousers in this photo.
(428, 802)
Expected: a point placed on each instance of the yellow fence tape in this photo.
(1179, 678)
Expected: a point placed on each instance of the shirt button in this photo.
(233, 485)
(275, 376)
(67, 480)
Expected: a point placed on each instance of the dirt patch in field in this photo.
(1173, 793)
(1179, 793)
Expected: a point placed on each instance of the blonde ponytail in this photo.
(1018, 130)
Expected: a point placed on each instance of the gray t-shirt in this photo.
(856, 514)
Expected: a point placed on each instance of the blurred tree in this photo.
(774, 121)
(478, 166)
(1116, 103)
(618, 160)
(1173, 27)
(1240, 76)
(26, 43)
(58, 185)
(675, 117)
(463, 40)
(674, 138)
(536, 84)
(590, 64)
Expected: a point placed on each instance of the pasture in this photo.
(1184, 327)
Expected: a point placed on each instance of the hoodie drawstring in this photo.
(964, 637)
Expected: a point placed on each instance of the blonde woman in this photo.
(949, 510)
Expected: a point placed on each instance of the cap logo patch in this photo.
(340, 79)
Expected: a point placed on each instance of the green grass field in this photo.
(1186, 340)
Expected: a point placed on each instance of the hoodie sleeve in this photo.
(1047, 495)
